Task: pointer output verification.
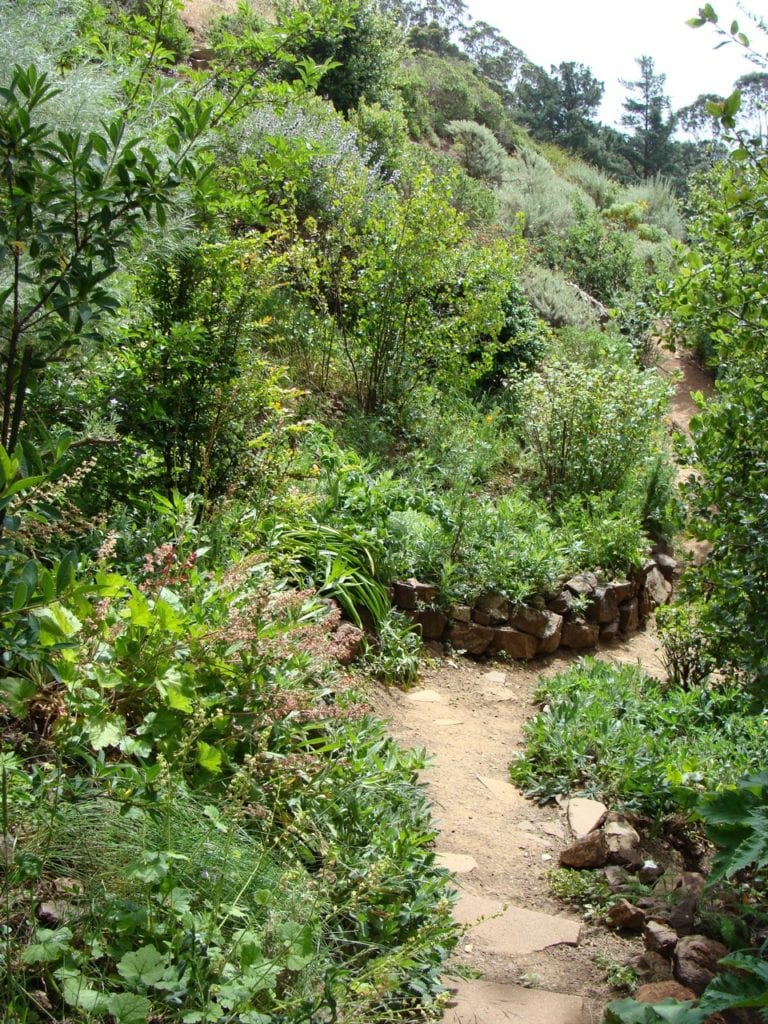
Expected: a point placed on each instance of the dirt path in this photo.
(531, 961)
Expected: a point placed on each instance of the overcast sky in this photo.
(608, 35)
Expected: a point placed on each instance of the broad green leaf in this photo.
(142, 966)
(78, 994)
(128, 1008)
(106, 732)
(208, 757)
(57, 621)
(139, 611)
(50, 945)
(20, 596)
(178, 700)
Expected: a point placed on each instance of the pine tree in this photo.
(649, 148)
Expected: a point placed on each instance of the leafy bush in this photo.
(555, 300)
(533, 189)
(588, 429)
(480, 151)
(612, 732)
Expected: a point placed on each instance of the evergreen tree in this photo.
(560, 106)
(647, 112)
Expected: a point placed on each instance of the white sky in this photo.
(608, 35)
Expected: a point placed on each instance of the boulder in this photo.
(652, 967)
(494, 605)
(409, 594)
(470, 637)
(590, 852)
(532, 620)
(619, 834)
(623, 590)
(347, 641)
(660, 938)
(666, 565)
(552, 636)
(562, 603)
(579, 635)
(682, 916)
(484, 618)
(461, 613)
(695, 961)
(609, 632)
(629, 616)
(625, 915)
(657, 588)
(583, 583)
(616, 877)
(514, 643)
(584, 815)
(431, 620)
(650, 872)
(661, 990)
(603, 606)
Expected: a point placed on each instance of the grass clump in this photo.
(612, 732)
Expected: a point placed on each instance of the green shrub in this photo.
(394, 655)
(532, 188)
(587, 429)
(612, 732)
(602, 189)
(480, 152)
(555, 300)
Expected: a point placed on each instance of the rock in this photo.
(657, 588)
(650, 872)
(666, 565)
(552, 635)
(494, 605)
(484, 618)
(458, 863)
(619, 834)
(625, 915)
(609, 632)
(661, 990)
(510, 931)
(579, 635)
(533, 621)
(629, 616)
(629, 859)
(623, 590)
(603, 607)
(616, 877)
(652, 966)
(695, 961)
(583, 583)
(470, 637)
(513, 642)
(52, 913)
(431, 620)
(347, 642)
(660, 938)
(561, 603)
(461, 613)
(409, 594)
(435, 648)
(590, 852)
(681, 917)
(485, 1002)
(584, 815)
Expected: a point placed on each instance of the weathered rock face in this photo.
(347, 641)
(657, 589)
(552, 636)
(629, 616)
(461, 613)
(695, 961)
(590, 852)
(619, 834)
(514, 643)
(531, 620)
(579, 635)
(470, 637)
(666, 565)
(584, 583)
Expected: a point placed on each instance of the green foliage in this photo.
(612, 732)
(556, 300)
(736, 821)
(586, 890)
(683, 648)
(546, 200)
(646, 108)
(394, 658)
(588, 429)
(480, 152)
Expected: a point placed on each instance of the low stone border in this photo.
(583, 613)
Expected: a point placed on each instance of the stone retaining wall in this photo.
(583, 613)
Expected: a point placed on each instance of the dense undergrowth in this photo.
(275, 333)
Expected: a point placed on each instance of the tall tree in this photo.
(560, 106)
(497, 60)
(647, 113)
